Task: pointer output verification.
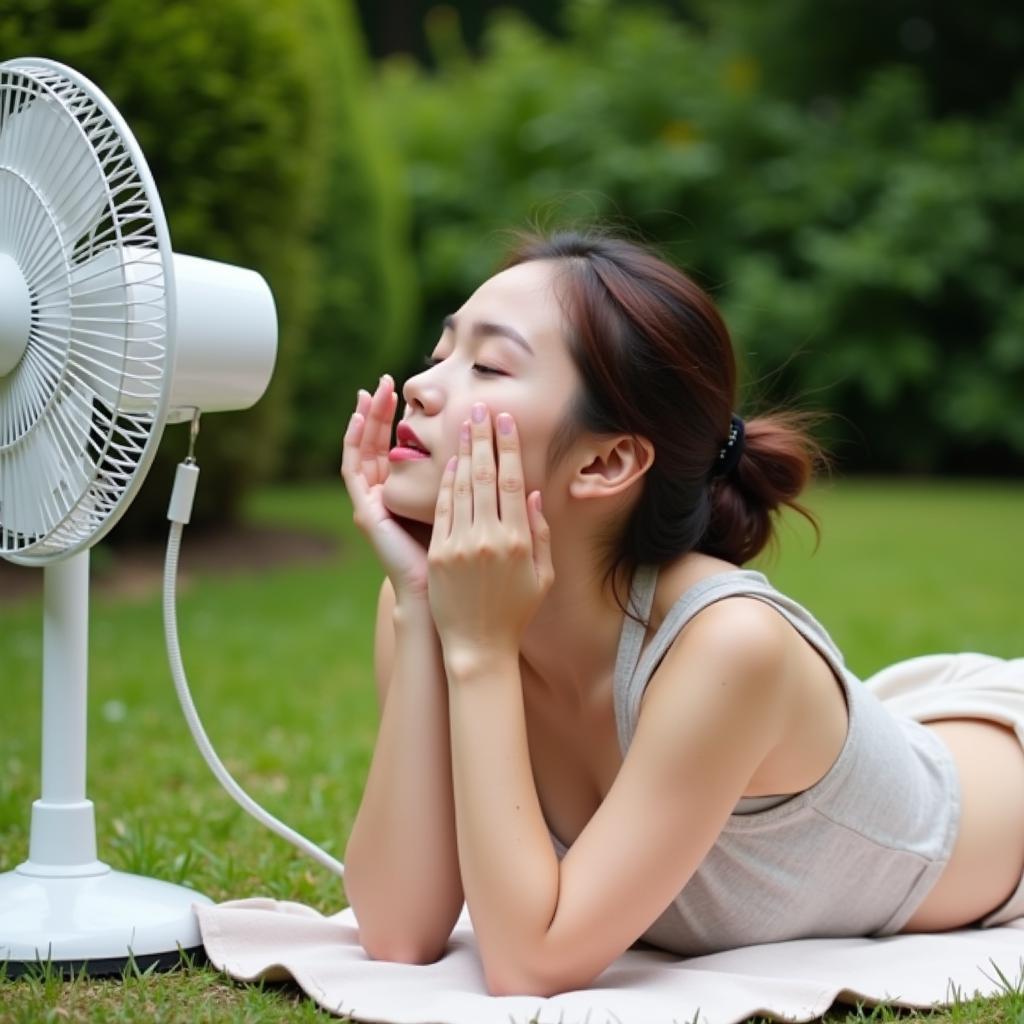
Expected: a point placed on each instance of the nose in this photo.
(422, 393)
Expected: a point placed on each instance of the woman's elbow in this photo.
(511, 979)
(513, 985)
(390, 931)
(401, 948)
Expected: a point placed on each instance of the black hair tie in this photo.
(731, 451)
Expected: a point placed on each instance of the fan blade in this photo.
(119, 327)
(99, 314)
(46, 146)
(45, 473)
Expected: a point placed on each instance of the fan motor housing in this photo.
(15, 314)
(106, 334)
(226, 337)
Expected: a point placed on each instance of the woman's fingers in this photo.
(376, 413)
(462, 496)
(355, 433)
(510, 477)
(352, 462)
(444, 507)
(350, 443)
(541, 532)
(389, 403)
(363, 402)
(381, 414)
(484, 473)
(364, 461)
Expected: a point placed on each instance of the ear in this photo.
(612, 467)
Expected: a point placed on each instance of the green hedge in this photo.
(250, 118)
(863, 248)
(365, 292)
(226, 103)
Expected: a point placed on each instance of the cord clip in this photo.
(184, 492)
(193, 433)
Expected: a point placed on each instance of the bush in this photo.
(861, 247)
(365, 292)
(891, 269)
(967, 57)
(240, 108)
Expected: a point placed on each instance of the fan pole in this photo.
(63, 834)
(63, 905)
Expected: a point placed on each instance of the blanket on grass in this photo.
(798, 980)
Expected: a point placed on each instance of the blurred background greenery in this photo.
(844, 177)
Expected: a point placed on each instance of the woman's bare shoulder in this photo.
(743, 633)
(681, 575)
(742, 656)
(675, 578)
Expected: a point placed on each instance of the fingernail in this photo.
(479, 412)
(504, 423)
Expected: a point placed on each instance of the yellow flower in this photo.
(741, 74)
(679, 133)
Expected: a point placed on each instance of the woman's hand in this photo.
(490, 557)
(364, 468)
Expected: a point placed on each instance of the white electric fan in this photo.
(105, 336)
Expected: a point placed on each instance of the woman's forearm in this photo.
(402, 872)
(509, 868)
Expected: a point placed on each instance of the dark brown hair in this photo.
(656, 360)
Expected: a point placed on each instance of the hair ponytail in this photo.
(778, 459)
(655, 359)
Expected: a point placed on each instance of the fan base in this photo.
(102, 921)
(112, 967)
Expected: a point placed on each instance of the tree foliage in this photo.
(224, 104)
(365, 291)
(859, 241)
(966, 58)
(249, 116)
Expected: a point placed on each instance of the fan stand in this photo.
(63, 906)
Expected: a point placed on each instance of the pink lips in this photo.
(400, 454)
(409, 446)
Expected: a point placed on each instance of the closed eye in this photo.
(478, 367)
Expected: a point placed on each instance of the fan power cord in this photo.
(179, 512)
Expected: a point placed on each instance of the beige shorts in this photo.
(959, 686)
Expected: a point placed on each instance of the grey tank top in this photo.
(855, 854)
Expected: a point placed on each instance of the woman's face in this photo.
(505, 347)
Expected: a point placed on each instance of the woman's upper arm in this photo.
(711, 713)
(384, 640)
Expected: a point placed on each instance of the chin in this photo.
(406, 504)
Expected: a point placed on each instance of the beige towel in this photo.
(799, 980)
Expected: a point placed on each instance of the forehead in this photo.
(523, 297)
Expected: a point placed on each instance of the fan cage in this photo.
(80, 415)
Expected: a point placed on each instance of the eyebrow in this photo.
(483, 327)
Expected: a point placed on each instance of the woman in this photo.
(694, 767)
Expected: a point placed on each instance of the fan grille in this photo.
(80, 218)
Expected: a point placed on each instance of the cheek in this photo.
(533, 449)
(450, 433)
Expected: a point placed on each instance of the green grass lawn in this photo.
(280, 665)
